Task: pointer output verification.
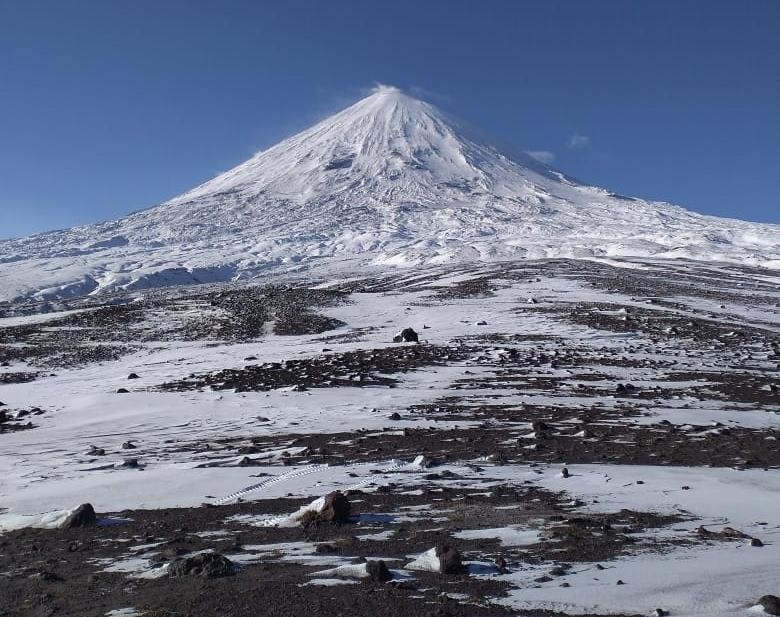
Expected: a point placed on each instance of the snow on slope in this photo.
(389, 181)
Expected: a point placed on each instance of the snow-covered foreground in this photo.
(721, 580)
(530, 373)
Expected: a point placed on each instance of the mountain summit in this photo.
(389, 180)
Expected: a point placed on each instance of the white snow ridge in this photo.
(390, 180)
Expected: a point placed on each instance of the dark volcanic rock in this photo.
(377, 571)
(336, 508)
(449, 560)
(209, 565)
(83, 516)
(727, 533)
(45, 576)
(770, 604)
(407, 335)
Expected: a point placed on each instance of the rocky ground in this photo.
(573, 437)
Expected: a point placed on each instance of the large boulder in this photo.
(377, 571)
(336, 508)
(209, 565)
(770, 604)
(407, 335)
(449, 560)
(83, 516)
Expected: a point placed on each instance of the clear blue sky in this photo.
(109, 106)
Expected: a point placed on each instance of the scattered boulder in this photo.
(540, 426)
(394, 416)
(407, 335)
(770, 604)
(377, 571)
(481, 323)
(128, 445)
(450, 561)
(336, 508)
(727, 533)
(45, 576)
(659, 612)
(441, 558)
(565, 472)
(122, 391)
(82, 516)
(130, 462)
(95, 451)
(132, 376)
(208, 565)
(560, 570)
(756, 542)
(445, 474)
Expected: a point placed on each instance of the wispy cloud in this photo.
(429, 95)
(543, 156)
(578, 142)
(380, 87)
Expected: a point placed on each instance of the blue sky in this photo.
(112, 106)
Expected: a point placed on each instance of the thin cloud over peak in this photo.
(543, 156)
(579, 142)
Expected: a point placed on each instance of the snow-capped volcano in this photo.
(389, 180)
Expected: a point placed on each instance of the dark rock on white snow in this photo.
(83, 516)
(407, 335)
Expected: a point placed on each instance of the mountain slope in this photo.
(390, 180)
